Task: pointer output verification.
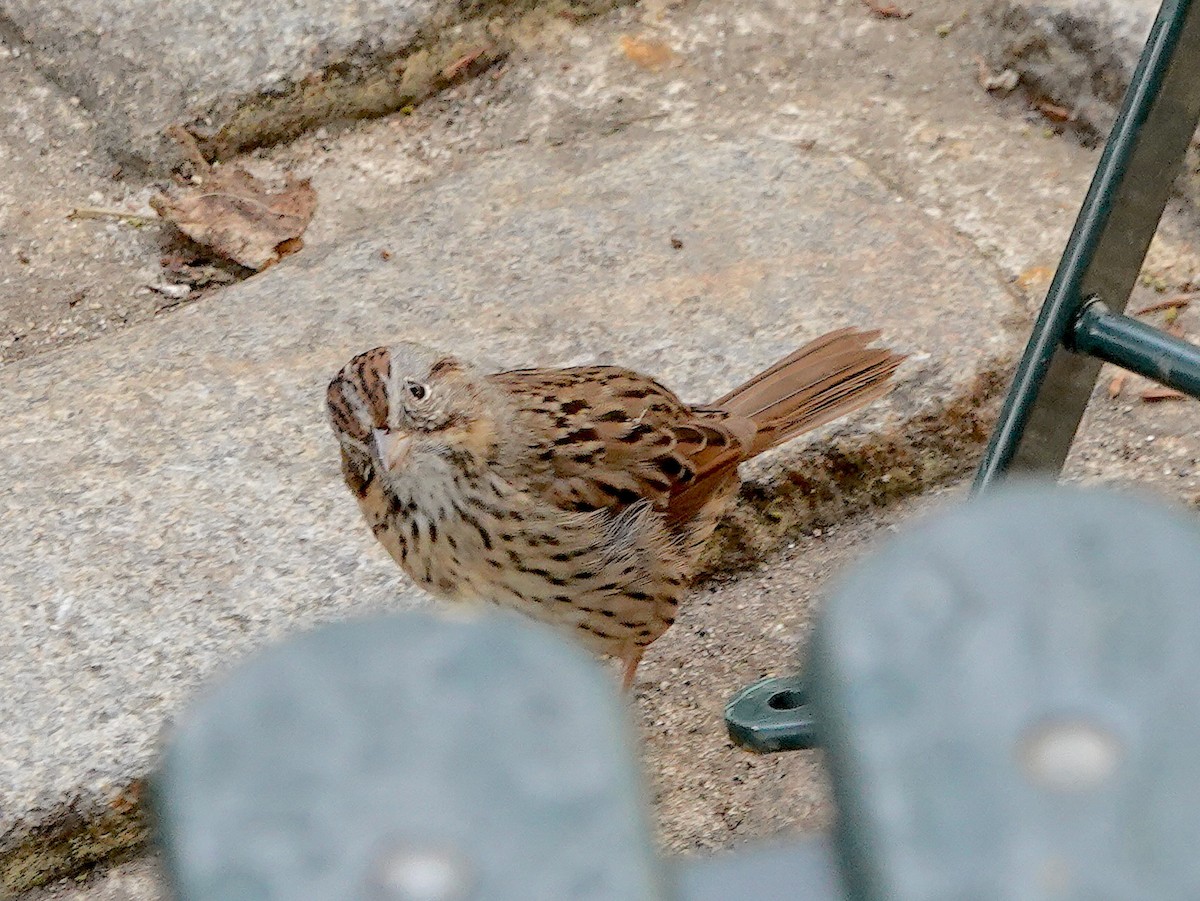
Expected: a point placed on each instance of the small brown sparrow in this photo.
(581, 496)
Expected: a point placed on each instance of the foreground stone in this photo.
(174, 499)
(709, 794)
(236, 77)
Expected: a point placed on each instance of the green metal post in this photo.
(1105, 252)
(1138, 347)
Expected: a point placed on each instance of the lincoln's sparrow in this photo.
(580, 496)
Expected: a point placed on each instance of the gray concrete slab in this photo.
(60, 279)
(894, 93)
(174, 496)
(240, 74)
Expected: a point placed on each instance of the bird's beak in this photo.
(392, 447)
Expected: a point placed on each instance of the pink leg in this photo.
(632, 659)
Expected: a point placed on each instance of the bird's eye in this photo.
(417, 390)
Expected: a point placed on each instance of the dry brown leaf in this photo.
(647, 54)
(1035, 275)
(1053, 111)
(1117, 384)
(1157, 393)
(1177, 302)
(235, 215)
(886, 10)
(462, 64)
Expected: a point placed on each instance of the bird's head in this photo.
(408, 411)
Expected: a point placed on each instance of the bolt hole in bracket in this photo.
(772, 715)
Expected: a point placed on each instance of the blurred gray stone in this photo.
(1076, 53)
(173, 493)
(239, 74)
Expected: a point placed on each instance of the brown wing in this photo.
(603, 437)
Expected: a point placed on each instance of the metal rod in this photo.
(1108, 244)
(1138, 347)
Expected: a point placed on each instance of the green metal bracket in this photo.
(1138, 347)
(772, 715)
(1103, 257)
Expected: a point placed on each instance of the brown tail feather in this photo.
(816, 384)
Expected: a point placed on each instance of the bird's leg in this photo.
(631, 658)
